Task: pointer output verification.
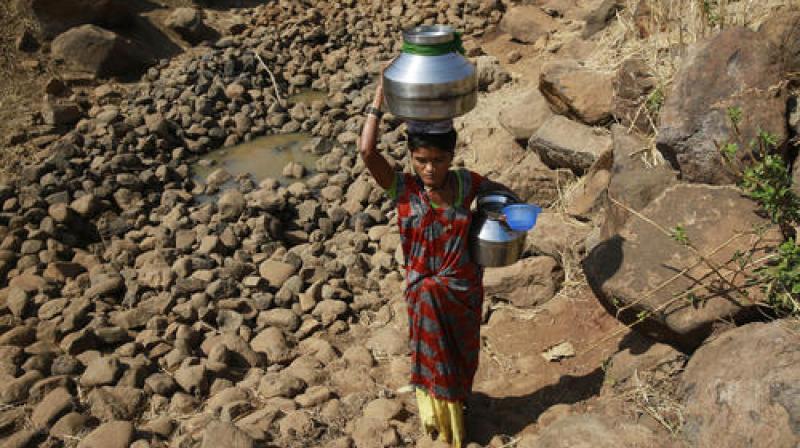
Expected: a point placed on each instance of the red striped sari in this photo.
(444, 289)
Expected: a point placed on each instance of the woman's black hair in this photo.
(445, 142)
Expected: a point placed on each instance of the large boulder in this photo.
(99, 51)
(57, 16)
(598, 14)
(154, 271)
(736, 68)
(525, 113)
(563, 143)
(240, 354)
(645, 274)
(591, 431)
(116, 403)
(535, 182)
(557, 235)
(527, 23)
(635, 180)
(489, 149)
(741, 389)
(585, 199)
(578, 92)
(528, 282)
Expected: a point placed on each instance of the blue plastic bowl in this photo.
(521, 217)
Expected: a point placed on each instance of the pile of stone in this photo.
(131, 314)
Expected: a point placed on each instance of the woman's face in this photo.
(431, 165)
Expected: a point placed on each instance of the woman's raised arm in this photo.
(375, 162)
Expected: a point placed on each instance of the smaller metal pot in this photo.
(492, 242)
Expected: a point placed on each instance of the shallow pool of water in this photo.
(264, 157)
(308, 96)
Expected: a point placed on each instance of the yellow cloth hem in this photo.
(442, 416)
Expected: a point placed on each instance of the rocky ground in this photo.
(132, 314)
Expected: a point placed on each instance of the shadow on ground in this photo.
(489, 416)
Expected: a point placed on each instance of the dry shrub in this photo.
(659, 31)
(657, 398)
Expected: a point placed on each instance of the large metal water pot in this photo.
(492, 242)
(430, 80)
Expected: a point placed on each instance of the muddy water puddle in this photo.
(308, 96)
(261, 158)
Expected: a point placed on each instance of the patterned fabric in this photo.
(444, 289)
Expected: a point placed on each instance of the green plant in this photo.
(606, 365)
(766, 179)
(729, 150)
(769, 182)
(735, 115)
(783, 285)
(694, 300)
(655, 100)
(679, 235)
(710, 11)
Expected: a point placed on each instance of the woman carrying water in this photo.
(444, 289)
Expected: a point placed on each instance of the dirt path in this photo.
(515, 384)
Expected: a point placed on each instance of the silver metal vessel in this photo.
(430, 88)
(492, 242)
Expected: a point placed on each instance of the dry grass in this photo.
(21, 90)
(504, 363)
(14, 19)
(574, 278)
(570, 258)
(658, 399)
(659, 32)
(566, 192)
(10, 22)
